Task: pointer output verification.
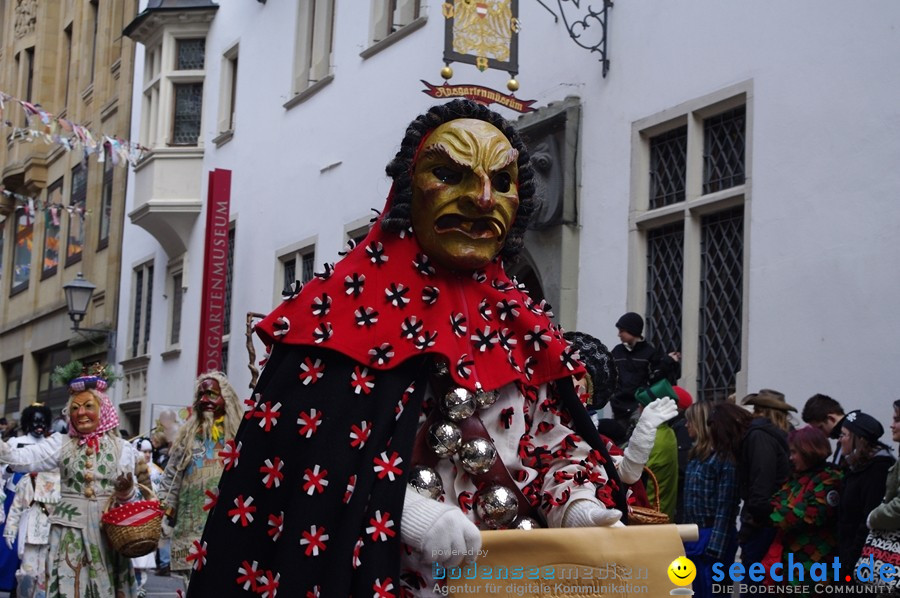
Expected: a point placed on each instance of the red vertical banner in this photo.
(215, 272)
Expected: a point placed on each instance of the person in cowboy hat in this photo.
(764, 465)
(866, 464)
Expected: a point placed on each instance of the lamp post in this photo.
(78, 296)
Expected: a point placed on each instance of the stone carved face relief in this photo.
(465, 194)
(84, 412)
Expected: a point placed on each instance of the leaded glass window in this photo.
(665, 283)
(723, 150)
(52, 217)
(191, 54)
(22, 250)
(668, 167)
(721, 303)
(77, 204)
(188, 110)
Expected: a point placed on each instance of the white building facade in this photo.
(734, 177)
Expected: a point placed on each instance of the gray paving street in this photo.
(157, 587)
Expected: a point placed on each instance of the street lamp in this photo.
(78, 296)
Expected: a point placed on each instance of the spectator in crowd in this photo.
(771, 405)
(886, 516)
(805, 509)
(663, 459)
(143, 564)
(639, 363)
(866, 465)
(4, 428)
(761, 451)
(711, 494)
(823, 412)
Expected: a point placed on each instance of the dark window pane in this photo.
(13, 371)
(290, 273)
(665, 282)
(191, 54)
(188, 106)
(721, 293)
(175, 336)
(723, 150)
(22, 250)
(53, 394)
(668, 165)
(309, 265)
(106, 199)
(136, 314)
(149, 311)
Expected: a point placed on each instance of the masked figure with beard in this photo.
(414, 394)
(193, 469)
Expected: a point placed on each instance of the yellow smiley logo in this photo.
(682, 571)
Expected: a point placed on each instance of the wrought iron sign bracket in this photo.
(587, 20)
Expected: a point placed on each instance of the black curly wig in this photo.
(28, 417)
(599, 362)
(401, 167)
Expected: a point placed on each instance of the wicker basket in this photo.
(133, 529)
(648, 515)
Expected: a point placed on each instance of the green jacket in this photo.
(663, 462)
(886, 516)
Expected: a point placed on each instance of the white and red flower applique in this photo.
(230, 454)
(362, 381)
(314, 480)
(388, 466)
(351, 486)
(267, 584)
(247, 574)
(309, 422)
(243, 510)
(197, 555)
(314, 540)
(212, 497)
(383, 588)
(276, 525)
(271, 471)
(360, 434)
(382, 527)
(268, 415)
(312, 371)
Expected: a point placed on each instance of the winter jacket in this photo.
(763, 468)
(637, 366)
(863, 490)
(886, 516)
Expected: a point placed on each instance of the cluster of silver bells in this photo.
(496, 506)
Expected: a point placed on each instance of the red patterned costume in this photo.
(313, 491)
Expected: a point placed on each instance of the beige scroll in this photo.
(596, 562)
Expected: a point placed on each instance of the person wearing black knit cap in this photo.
(639, 363)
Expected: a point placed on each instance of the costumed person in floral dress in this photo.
(94, 464)
(194, 466)
(414, 359)
(805, 509)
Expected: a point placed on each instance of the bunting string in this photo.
(44, 126)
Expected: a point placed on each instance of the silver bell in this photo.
(477, 455)
(458, 404)
(426, 482)
(527, 523)
(496, 507)
(444, 439)
(486, 398)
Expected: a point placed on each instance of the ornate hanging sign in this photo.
(484, 33)
(477, 93)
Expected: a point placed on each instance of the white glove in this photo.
(10, 541)
(641, 442)
(439, 532)
(587, 513)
